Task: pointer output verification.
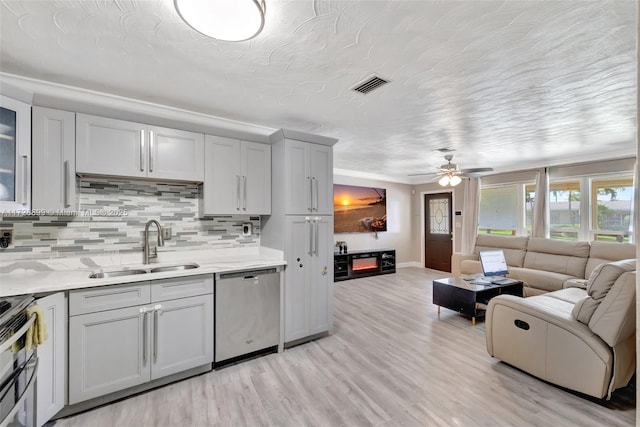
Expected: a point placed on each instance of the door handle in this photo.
(141, 150)
(151, 145)
(315, 226)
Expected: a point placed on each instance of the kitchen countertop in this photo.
(60, 274)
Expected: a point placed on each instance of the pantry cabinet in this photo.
(309, 178)
(309, 276)
(160, 328)
(237, 177)
(54, 160)
(301, 225)
(113, 147)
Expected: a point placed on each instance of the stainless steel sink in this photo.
(173, 268)
(161, 269)
(105, 274)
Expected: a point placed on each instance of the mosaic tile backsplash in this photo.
(110, 219)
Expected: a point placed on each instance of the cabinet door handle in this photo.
(237, 192)
(156, 311)
(310, 206)
(143, 311)
(151, 145)
(310, 237)
(65, 182)
(244, 193)
(314, 204)
(315, 232)
(142, 150)
(25, 177)
(144, 339)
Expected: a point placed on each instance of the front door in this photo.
(438, 244)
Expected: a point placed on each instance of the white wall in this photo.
(399, 234)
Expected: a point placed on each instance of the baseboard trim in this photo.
(409, 264)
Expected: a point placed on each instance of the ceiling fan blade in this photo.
(423, 174)
(476, 170)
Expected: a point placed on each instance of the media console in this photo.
(358, 264)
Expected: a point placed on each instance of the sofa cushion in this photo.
(615, 318)
(603, 252)
(599, 284)
(572, 295)
(514, 247)
(559, 256)
(545, 280)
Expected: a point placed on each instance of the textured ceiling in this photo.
(508, 84)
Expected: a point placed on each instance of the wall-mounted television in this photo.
(359, 209)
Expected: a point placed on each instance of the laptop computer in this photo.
(494, 268)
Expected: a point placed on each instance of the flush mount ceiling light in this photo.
(228, 20)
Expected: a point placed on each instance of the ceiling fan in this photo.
(449, 173)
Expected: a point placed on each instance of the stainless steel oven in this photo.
(18, 365)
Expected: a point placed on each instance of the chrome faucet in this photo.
(147, 253)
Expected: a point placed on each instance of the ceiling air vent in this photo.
(370, 84)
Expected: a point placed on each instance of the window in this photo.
(564, 210)
(611, 212)
(499, 210)
(581, 207)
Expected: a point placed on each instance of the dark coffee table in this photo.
(468, 297)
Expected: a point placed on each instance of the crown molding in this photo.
(71, 98)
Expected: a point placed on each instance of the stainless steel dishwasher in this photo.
(247, 312)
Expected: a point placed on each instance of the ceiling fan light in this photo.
(444, 181)
(455, 180)
(227, 20)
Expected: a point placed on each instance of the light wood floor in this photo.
(389, 361)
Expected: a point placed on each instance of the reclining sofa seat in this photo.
(581, 339)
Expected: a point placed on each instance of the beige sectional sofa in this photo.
(544, 265)
(581, 339)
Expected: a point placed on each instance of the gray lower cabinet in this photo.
(52, 358)
(115, 349)
(107, 353)
(182, 335)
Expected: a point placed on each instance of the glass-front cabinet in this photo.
(15, 155)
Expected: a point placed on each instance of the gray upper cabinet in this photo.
(309, 178)
(15, 155)
(175, 154)
(54, 160)
(120, 148)
(237, 177)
